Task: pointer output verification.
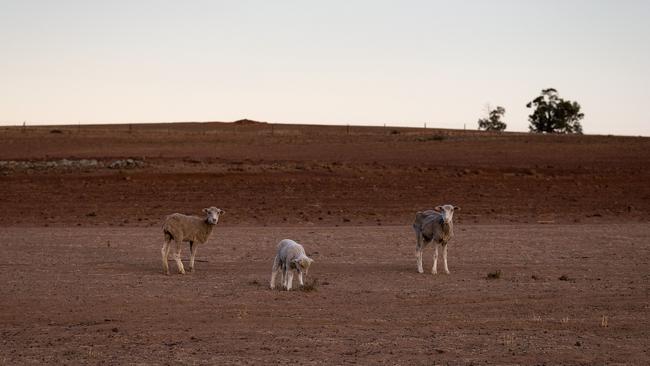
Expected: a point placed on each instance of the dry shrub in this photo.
(494, 275)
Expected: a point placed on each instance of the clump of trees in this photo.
(493, 121)
(553, 114)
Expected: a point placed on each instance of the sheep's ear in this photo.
(456, 208)
(221, 212)
(206, 210)
(437, 208)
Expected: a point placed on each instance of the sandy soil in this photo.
(73, 295)
(564, 218)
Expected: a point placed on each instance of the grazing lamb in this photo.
(192, 229)
(434, 226)
(290, 257)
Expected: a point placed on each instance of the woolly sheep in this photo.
(192, 229)
(434, 226)
(290, 257)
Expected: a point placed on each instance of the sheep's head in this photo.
(302, 264)
(212, 215)
(447, 212)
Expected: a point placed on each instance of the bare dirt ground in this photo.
(564, 218)
(96, 295)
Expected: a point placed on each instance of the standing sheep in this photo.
(192, 229)
(290, 257)
(434, 226)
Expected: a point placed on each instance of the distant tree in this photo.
(553, 114)
(493, 121)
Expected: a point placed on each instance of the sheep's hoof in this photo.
(434, 272)
(420, 270)
(447, 272)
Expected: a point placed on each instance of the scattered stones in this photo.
(48, 164)
(8, 166)
(125, 164)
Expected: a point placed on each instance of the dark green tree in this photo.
(553, 114)
(493, 121)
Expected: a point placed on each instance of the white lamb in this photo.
(434, 226)
(290, 257)
(192, 229)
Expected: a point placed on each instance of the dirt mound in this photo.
(248, 122)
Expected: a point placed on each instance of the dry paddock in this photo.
(574, 294)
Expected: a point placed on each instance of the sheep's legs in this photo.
(289, 280)
(285, 276)
(165, 253)
(434, 269)
(273, 276)
(192, 255)
(282, 276)
(444, 258)
(274, 272)
(418, 253)
(300, 279)
(177, 258)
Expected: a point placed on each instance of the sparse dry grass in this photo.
(494, 275)
(604, 321)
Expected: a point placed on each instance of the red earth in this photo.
(563, 218)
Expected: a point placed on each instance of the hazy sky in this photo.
(371, 62)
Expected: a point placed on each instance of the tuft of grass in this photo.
(494, 275)
(310, 285)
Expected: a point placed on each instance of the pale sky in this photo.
(402, 63)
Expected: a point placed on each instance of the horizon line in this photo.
(424, 126)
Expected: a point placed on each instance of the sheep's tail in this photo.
(168, 235)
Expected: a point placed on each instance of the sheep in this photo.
(192, 229)
(434, 226)
(290, 257)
